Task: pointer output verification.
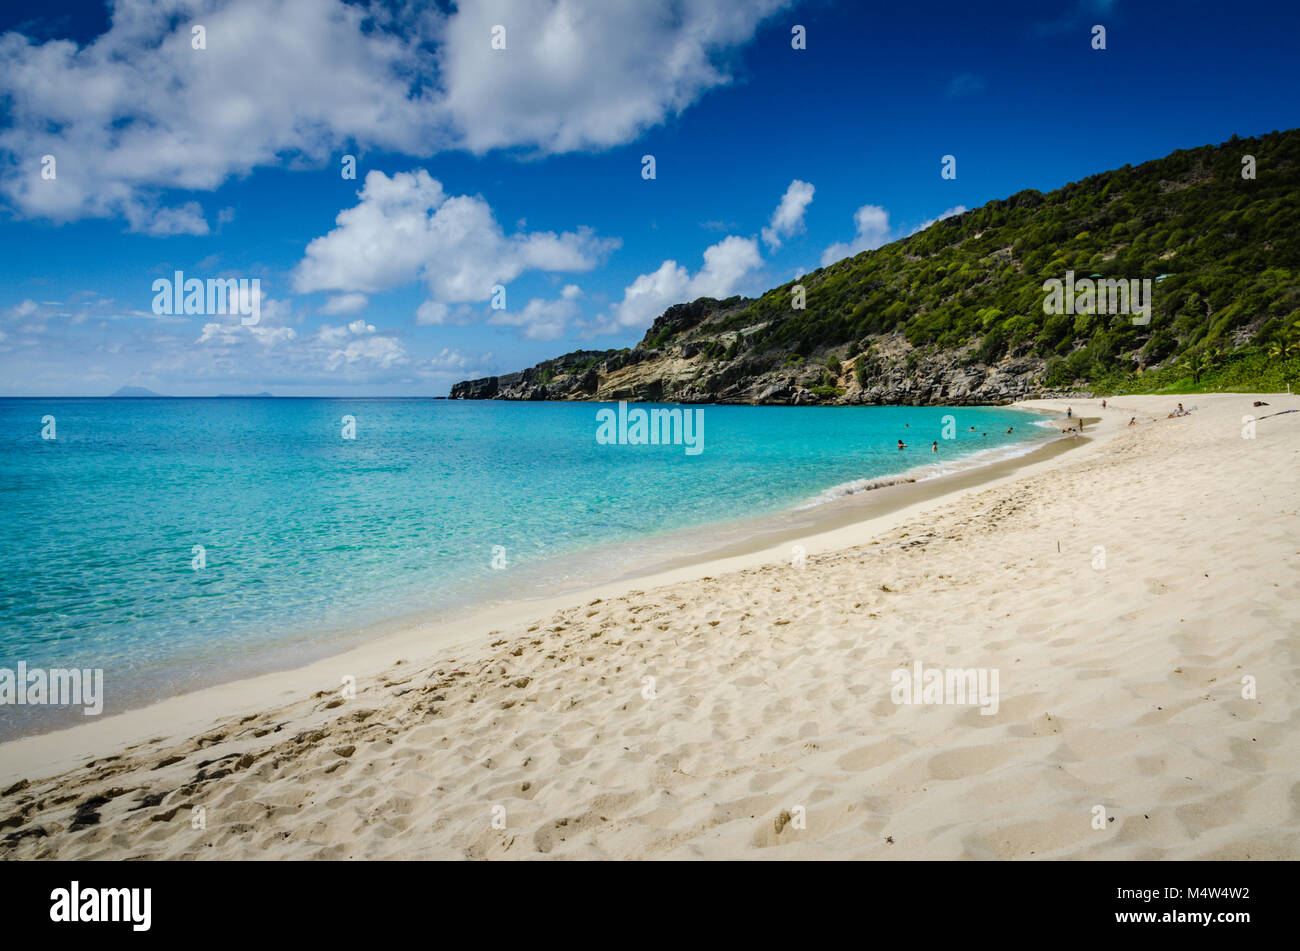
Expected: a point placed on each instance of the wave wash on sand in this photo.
(1139, 598)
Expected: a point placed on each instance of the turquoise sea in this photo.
(311, 541)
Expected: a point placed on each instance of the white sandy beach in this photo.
(742, 709)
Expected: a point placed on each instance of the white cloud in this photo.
(787, 220)
(542, 319)
(234, 334)
(270, 330)
(138, 109)
(213, 354)
(163, 222)
(345, 304)
(378, 352)
(451, 360)
(873, 231)
(726, 264)
(580, 74)
(405, 227)
(872, 224)
(356, 346)
(431, 313)
(297, 82)
(955, 210)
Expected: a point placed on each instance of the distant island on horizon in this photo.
(140, 392)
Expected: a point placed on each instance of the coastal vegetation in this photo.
(965, 296)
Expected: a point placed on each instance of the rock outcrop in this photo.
(687, 373)
(706, 363)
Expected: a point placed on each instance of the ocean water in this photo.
(310, 540)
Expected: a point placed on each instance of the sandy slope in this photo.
(1120, 687)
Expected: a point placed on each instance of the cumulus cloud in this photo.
(358, 344)
(542, 319)
(354, 346)
(138, 111)
(451, 361)
(787, 220)
(406, 228)
(431, 313)
(271, 328)
(580, 74)
(948, 213)
(872, 231)
(726, 265)
(345, 304)
(163, 222)
(111, 346)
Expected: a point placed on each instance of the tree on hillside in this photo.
(1201, 362)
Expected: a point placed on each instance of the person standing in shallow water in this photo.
(935, 446)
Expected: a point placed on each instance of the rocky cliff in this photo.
(898, 374)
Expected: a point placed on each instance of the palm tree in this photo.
(1286, 346)
(1200, 362)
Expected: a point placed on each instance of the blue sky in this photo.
(523, 167)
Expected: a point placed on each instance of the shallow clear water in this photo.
(310, 538)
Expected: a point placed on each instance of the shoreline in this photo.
(653, 555)
(687, 714)
(763, 540)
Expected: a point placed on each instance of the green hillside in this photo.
(966, 296)
(1230, 247)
